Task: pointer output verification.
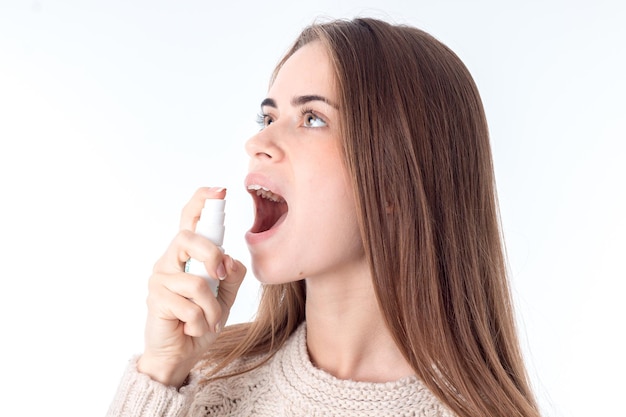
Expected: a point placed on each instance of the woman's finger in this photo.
(167, 305)
(191, 212)
(186, 245)
(229, 287)
(197, 290)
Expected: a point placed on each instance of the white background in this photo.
(112, 113)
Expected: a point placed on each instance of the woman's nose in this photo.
(264, 145)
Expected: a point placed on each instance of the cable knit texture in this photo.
(288, 385)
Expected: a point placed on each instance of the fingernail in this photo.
(221, 272)
(218, 327)
(217, 189)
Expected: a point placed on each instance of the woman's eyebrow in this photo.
(299, 101)
(269, 102)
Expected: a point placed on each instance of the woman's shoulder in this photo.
(236, 387)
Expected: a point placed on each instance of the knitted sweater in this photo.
(287, 385)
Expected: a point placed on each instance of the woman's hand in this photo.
(184, 317)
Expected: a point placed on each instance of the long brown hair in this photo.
(416, 144)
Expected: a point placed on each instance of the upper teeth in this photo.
(265, 193)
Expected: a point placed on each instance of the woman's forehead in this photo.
(307, 71)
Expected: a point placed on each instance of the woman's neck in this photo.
(346, 332)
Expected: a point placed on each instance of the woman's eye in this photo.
(264, 120)
(311, 120)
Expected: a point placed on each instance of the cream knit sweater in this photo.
(288, 385)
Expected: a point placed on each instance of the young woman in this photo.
(377, 242)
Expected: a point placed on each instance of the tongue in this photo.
(268, 214)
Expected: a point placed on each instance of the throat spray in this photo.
(211, 226)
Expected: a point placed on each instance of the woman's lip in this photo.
(258, 179)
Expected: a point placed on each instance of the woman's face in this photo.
(305, 224)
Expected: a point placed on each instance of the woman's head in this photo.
(416, 147)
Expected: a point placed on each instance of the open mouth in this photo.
(270, 208)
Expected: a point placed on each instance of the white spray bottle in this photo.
(211, 226)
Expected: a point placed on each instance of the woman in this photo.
(376, 238)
